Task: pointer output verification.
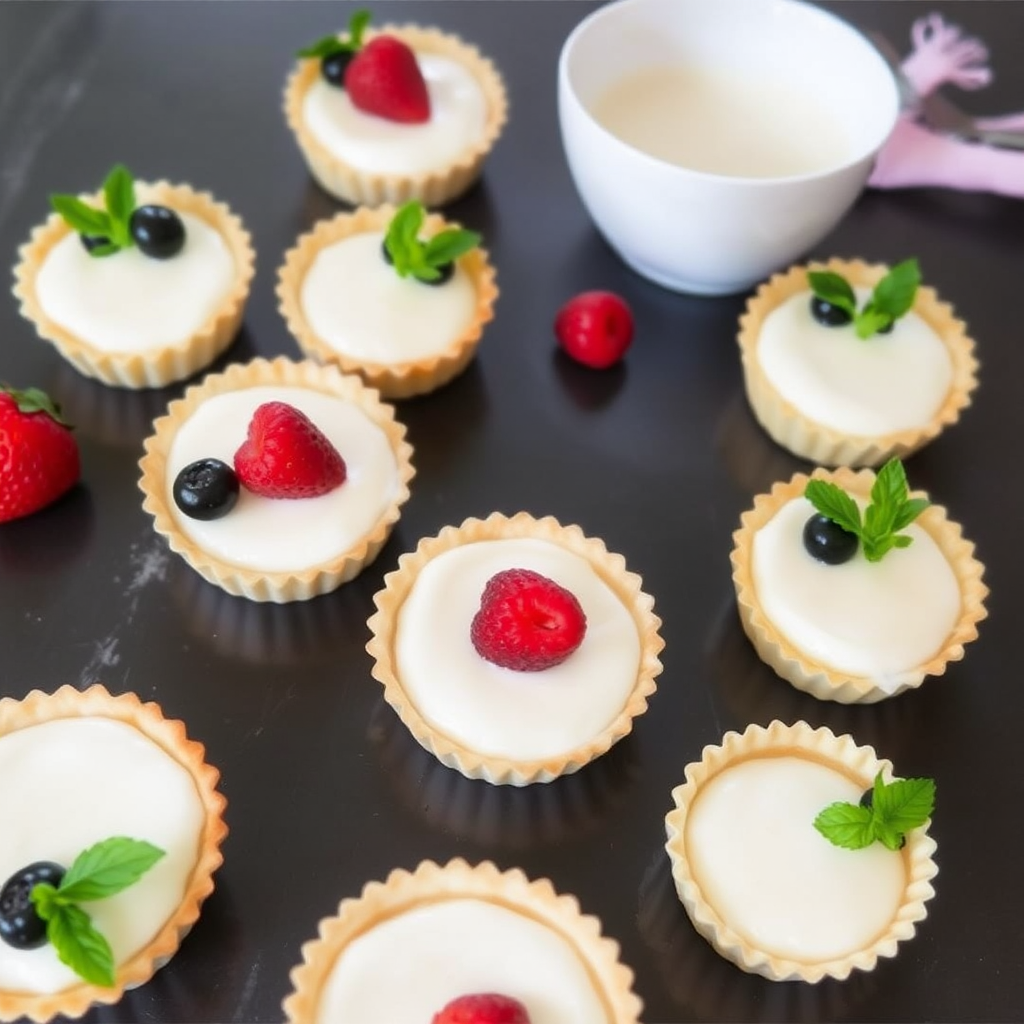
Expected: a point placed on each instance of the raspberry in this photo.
(483, 1008)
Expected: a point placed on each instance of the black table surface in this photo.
(659, 457)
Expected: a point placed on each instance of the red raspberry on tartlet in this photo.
(483, 1008)
(595, 328)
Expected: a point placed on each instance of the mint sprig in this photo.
(423, 260)
(891, 298)
(102, 870)
(891, 510)
(328, 46)
(112, 224)
(896, 808)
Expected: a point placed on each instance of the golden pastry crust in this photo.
(801, 670)
(473, 764)
(255, 584)
(433, 188)
(159, 366)
(170, 736)
(821, 444)
(842, 754)
(393, 380)
(429, 883)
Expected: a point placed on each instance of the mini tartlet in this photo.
(806, 434)
(527, 942)
(128, 746)
(127, 363)
(809, 671)
(405, 307)
(297, 549)
(361, 182)
(489, 722)
(806, 879)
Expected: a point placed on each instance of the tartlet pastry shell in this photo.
(153, 367)
(611, 568)
(838, 752)
(432, 188)
(257, 585)
(170, 736)
(431, 883)
(393, 380)
(798, 668)
(821, 444)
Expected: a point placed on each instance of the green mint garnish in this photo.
(422, 260)
(896, 808)
(328, 46)
(112, 223)
(892, 296)
(890, 511)
(100, 871)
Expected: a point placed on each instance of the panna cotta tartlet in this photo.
(405, 325)
(855, 614)
(423, 135)
(139, 285)
(277, 480)
(755, 859)
(515, 649)
(413, 945)
(847, 363)
(98, 773)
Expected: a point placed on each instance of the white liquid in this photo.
(722, 123)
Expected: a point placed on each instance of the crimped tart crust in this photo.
(160, 366)
(822, 444)
(393, 380)
(169, 735)
(403, 891)
(820, 680)
(841, 753)
(434, 188)
(611, 569)
(258, 585)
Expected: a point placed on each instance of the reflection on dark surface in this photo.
(52, 538)
(508, 816)
(714, 988)
(587, 388)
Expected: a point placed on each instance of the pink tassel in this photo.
(942, 54)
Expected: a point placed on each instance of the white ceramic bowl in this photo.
(719, 233)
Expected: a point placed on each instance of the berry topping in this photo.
(333, 68)
(207, 489)
(38, 454)
(20, 925)
(286, 456)
(335, 53)
(158, 231)
(384, 79)
(827, 541)
(483, 1008)
(526, 621)
(595, 328)
(94, 243)
(828, 315)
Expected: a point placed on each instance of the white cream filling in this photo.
(458, 114)
(773, 878)
(357, 304)
(500, 711)
(71, 783)
(881, 620)
(407, 968)
(287, 534)
(885, 383)
(129, 302)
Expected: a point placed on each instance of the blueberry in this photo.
(20, 925)
(207, 489)
(92, 242)
(333, 68)
(828, 315)
(157, 231)
(446, 270)
(827, 541)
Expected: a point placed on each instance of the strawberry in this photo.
(38, 454)
(286, 456)
(383, 78)
(483, 1008)
(595, 328)
(526, 621)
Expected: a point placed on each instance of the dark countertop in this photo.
(326, 790)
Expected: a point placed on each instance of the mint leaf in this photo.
(896, 808)
(890, 486)
(449, 245)
(356, 27)
(422, 260)
(80, 216)
(846, 825)
(326, 46)
(905, 804)
(108, 867)
(119, 195)
(79, 945)
(44, 899)
(833, 289)
(894, 294)
(909, 511)
(870, 321)
(835, 504)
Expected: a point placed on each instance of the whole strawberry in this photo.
(483, 1008)
(595, 328)
(526, 621)
(38, 454)
(383, 78)
(285, 455)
